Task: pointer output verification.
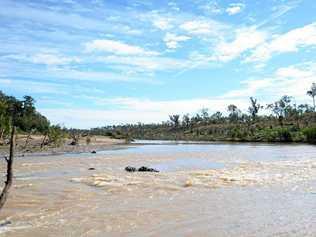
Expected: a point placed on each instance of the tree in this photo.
(186, 121)
(204, 114)
(28, 105)
(304, 108)
(234, 112)
(217, 117)
(254, 108)
(281, 108)
(13, 113)
(9, 177)
(175, 119)
(4, 120)
(312, 93)
(56, 135)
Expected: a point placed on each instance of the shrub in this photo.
(310, 134)
(284, 135)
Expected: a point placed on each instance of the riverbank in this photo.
(33, 147)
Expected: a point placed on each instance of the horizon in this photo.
(98, 63)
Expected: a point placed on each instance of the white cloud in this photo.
(88, 75)
(212, 7)
(291, 41)
(47, 58)
(53, 59)
(203, 27)
(173, 6)
(249, 88)
(31, 87)
(293, 80)
(133, 110)
(294, 72)
(145, 63)
(5, 81)
(162, 23)
(235, 8)
(245, 39)
(172, 40)
(117, 47)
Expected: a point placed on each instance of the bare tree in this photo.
(175, 119)
(8, 182)
(254, 108)
(312, 93)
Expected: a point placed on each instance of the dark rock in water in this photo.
(93, 152)
(146, 169)
(4, 223)
(91, 168)
(73, 143)
(141, 169)
(130, 169)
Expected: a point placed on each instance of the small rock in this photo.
(188, 183)
(93, 152)
(91, 168)
(130, 169)
(146, 169)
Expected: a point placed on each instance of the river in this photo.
(202, 189)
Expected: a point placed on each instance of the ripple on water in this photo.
(186, 164)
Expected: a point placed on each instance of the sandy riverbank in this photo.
(96, 143)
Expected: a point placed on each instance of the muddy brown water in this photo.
(202, 190)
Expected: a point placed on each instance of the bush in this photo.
(310, 134)
(284, 135)
(275, 135)
(56, 135)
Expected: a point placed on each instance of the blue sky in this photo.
(94, 63)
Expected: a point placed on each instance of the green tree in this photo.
(217, 117)
(186, 121)
(204, 114)
(234, 112)
(56, 135)
(4, 120)
(281, 108)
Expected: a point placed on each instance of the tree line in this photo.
(285, 122)
(23, 115)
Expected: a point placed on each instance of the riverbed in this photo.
(202, 189)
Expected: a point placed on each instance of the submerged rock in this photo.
(141, 169)
(146, 169)
(5, 222)
(130, 169)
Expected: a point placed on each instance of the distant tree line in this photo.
(286, 122)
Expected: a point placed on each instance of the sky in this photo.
(103, 62)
